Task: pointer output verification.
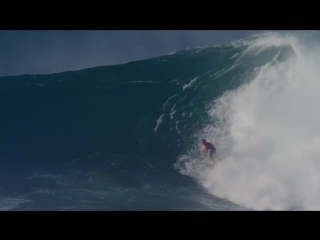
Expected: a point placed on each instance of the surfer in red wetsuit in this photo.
(208, 146)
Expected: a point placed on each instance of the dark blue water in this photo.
(107, 138)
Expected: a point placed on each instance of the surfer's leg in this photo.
(211, 154)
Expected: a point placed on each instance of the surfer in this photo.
(208, 146)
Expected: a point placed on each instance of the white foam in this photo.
(167, 102)
(268, 135)
(172, 114)
(235, 55)
(9, 203)
(190, 84)
(159, 121)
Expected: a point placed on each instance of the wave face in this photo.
(127, 137)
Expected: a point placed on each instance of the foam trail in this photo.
(268, 134)
(159, 121)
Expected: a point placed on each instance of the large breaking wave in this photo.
(266, 130)
(128, 136)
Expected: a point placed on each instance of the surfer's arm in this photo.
(205, 151)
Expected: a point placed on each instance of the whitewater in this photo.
(128, 136)
(266, 131)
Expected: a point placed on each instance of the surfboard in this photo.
(208, 161)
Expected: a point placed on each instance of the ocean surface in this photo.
(128, 137)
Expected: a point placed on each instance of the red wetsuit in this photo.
(209, 145)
